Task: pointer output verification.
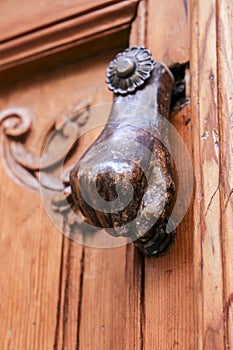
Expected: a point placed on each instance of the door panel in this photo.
(58, 294)
(43, 270)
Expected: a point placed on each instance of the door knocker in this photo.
(125, 180)
(124, 183)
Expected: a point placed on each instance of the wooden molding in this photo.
(29, 18)
(71, 32)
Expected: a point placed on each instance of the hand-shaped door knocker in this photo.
(125, 179)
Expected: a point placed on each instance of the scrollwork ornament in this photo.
(22, 165)
(15, 121)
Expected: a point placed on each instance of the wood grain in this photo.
(168, 293)
(56, 294)
(17, 20)
(168, 281)
(42, 274)
(209, 260)
(30, 250)
(139, 26)
(65, 33)
(104, 297)
(168, 30)
(70, 291)
(225, 110)
(134, 303)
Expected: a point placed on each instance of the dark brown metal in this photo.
(129, 70)
(130, 151)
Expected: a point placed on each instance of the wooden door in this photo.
(56, 293)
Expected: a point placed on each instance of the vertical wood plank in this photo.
(29, 276)
(71, 276)
(42, 286)
(110, 314)
(208, 264)
(134, 284)
(168, 30)
(138, 31)
(225, 93)
(103, 299)
(63, 295)
(169, 297)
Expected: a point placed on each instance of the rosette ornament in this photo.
(129, 70)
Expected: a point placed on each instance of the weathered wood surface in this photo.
(168, 30)
(207, 212)
(212, 88)
(58, 294)
(168, 282)
(42, 273)
(30, 250)
(225, 110)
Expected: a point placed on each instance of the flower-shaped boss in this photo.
(129, 70)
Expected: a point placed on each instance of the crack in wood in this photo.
(228, 199)
(142, 302)
(211, 200)
(185, 3)
(80, 297)
(55, 347)
(66, 294)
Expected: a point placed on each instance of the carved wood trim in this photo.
(66, 33)
(47, 174)
(24, 167)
